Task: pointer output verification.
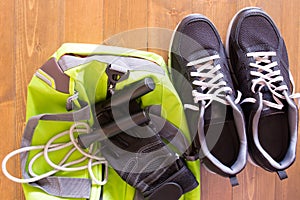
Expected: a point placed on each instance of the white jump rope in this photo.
(78, 127)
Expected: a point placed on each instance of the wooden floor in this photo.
(30, 31)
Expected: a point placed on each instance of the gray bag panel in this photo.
(56, 186)
(128, 63)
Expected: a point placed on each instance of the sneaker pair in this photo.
(243, 107)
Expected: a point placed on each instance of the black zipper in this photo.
(101, 188)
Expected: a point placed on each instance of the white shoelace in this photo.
(215, 89)
(93, 160)
(266, 76)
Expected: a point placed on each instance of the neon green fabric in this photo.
(90, 81)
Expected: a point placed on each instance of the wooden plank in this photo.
(38, 34)
(265, 181)
(214, 186)
(83, 21)
(255, 182)
(246, 189)
(273, 10)
(7, 56)
(33, 30)
(219, 12)
(281, 189)
(164, 15)
(296, 59)
(9, 189)
(291, 33)
(125, 23)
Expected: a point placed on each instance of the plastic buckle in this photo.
(114, 73)
(104, 181)
(70, 100)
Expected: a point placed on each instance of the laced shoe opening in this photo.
(274, 138)
(221, 135)
(273, 126)
(227, 144)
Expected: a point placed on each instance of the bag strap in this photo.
(171, 133)
(96, 49)
(56, 186)
(118, 63)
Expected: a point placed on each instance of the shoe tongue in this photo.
(267, 110)
(260, 48)
(266, 94)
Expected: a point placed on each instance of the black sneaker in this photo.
(260, 63)
(202, 79)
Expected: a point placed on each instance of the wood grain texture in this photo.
(163, 16)
(290, 20)
(32, 30)
(125, 23)
(8, 189)
(7, 68)
(219, 12)
(209, 189)
(37, 35)
(81, 17)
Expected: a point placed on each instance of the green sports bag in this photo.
(105, 123)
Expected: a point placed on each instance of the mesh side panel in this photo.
(198, 36)
(284, 55)
(284, 66)
(257, 30)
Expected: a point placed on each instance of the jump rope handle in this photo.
(120, 97)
